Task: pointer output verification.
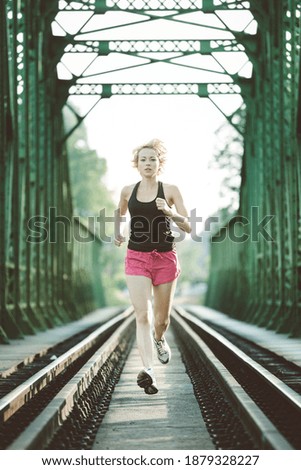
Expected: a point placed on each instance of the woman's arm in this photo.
(180, 215)
(119, 218)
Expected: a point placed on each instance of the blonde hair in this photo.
(156, 145)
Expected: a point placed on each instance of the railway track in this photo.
(245, 405)
(34, 410)
(269, 406)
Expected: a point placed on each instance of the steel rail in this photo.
(43, 427)
(14, 400)
(264, 432)
(284, 390)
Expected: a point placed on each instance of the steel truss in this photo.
(150, 51)
(257, 281)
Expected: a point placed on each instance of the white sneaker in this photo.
(163, 350)
(147, 381)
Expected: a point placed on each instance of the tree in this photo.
(228, 159)
(92, 202)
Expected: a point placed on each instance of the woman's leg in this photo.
(163, 298)
(140, 290)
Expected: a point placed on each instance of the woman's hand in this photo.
(178, 215)
(119, 239)
(163, 206)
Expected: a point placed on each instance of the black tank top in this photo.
(150, 228)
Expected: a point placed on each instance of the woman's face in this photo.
(148, 162)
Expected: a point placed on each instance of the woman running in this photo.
(151, 263)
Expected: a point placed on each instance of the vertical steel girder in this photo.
(37, 275)
(259, 280)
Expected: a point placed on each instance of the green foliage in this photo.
(91, 202)
(194, 259)
(87, 170)
(227, 159)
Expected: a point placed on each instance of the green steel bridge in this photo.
(254, 278)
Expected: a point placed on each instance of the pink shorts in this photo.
(160, 267)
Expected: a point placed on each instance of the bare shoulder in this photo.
(127, 191)
(172, 192)
(171, 189)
